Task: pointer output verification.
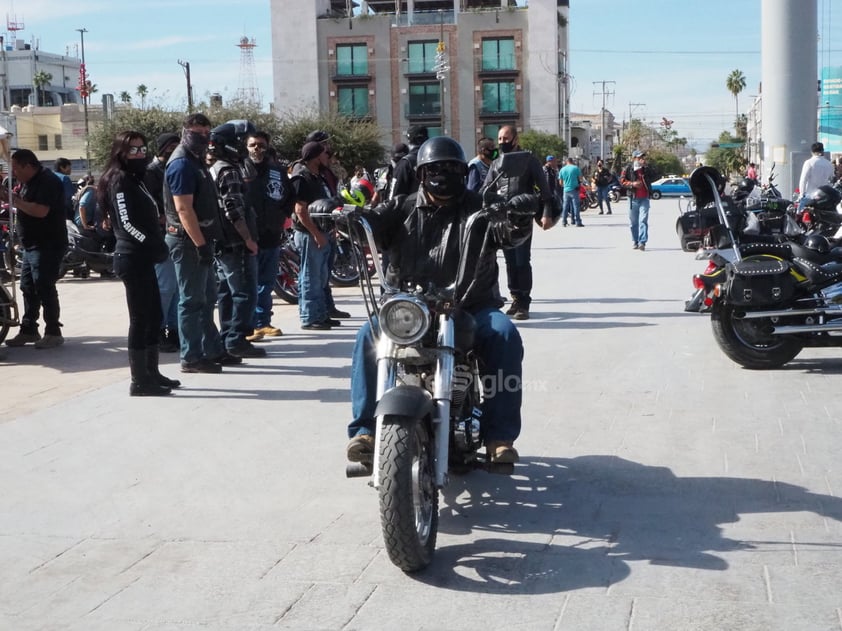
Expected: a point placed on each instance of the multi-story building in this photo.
(20, 63)
(461, 67)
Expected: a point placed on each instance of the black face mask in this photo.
(136, 166)
(506, 147)
(446, 185)
(195, 143)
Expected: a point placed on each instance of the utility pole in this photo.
(441, 69)
(83, 91)
(186, 66)
(604, 93)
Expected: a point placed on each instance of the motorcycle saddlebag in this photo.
(759, 283)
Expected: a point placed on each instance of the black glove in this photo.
(205, 254)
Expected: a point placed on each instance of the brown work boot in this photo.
(360, 448)
(501, 452)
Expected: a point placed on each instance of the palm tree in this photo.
(125, 97)
(142, 91)
(735, 83)
(40, 80)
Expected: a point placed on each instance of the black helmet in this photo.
(826, 198)
(227, 141)
(449, 179)
(700, 186)
(440, 149)
(318, 135)
(744, 188)
(817, 243)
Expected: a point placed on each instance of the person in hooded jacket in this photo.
(425, 234)
(140, 245)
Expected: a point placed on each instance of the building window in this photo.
(498, 54)
(490, 131)
(422, 56)
(498, 97)
(351, 59)
(424, 99)
(353, 102)
(42, 143)
(57, 141)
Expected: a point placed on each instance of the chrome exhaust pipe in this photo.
(806, 328)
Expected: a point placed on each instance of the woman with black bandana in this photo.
(140, 245)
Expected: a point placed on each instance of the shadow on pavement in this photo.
(599, 512)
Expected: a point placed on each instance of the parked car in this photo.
(670, 186)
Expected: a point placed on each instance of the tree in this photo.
(542, 144)
(40, 80)
(142, 91)
(125, 97)
(735, 83)
(728, 160)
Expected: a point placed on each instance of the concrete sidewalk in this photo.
(660, 486)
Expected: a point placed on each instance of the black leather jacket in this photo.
(445, 245)
(533, 181)
(205, 200)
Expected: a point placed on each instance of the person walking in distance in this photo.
(140, 245)
(602, 180)
(479, 164)
(518, 259)
(816, 171)
(571, 177)
(637, 178)
(43, 234)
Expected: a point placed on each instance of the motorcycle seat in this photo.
(818, 273)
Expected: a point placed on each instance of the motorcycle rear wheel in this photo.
(409, 512)
(286, 282)
(750, 343)
(614, 196)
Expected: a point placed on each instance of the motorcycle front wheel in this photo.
(409, 511)
(614, 196)
(750, 342)
(344, 271)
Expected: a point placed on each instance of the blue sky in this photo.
(671, 57)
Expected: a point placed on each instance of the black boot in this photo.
(154, 373)
(169, 342)
(143, 384)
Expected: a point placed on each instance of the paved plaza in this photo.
(661, 487)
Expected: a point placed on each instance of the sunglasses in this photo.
(133, 151)
(444, 168)
(257, 145)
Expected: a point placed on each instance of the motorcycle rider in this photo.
(424, 233)
(236, 262)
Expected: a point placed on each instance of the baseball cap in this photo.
(165, 139)
(637, 153)
(318, 135)
(548, 158)
(311, 150)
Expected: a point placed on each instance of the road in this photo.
(660, 485)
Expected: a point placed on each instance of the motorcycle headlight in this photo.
(404, 319)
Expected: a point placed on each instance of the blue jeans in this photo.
(571, 206)
(197, 286)
(313, 278)
(168, 288)
(602, 196)
(519, 272)
(236, 272)
(639, 219)
(38, 278)
(267, 272)
(500, 348)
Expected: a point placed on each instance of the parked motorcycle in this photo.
(428, 415)
(85, 254)
(289, 264)
(769, 296)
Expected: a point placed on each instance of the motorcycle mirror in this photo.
(514, 163)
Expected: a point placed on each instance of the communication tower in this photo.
(248, 92)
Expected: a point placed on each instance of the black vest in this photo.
(205, 200)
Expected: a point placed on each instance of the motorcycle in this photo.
(429, 394)
(289, 264)
(769, 296)
(85, 254)
(344, 271)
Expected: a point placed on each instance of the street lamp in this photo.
(83, 91)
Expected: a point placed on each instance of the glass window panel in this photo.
(351, 59)
(422, 56)
(353, 101)
(498, 54)
(498, 96)
(424, 98)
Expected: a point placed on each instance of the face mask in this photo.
(489, 153)
(506, 147)
(635, 165)
(446, 185)
(136, 166)
(196, 143)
